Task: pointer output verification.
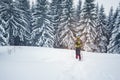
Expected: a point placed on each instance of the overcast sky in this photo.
(106, 3)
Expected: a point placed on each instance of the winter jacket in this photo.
(78, 43)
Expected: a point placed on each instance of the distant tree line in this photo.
(56, 25)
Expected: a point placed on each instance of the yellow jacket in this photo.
(78, 43)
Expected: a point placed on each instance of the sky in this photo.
(106, 3)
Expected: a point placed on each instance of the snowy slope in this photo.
(32, 63)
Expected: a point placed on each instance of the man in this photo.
(78, 45)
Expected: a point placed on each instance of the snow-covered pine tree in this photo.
(101, 39)
(24, 6)
(78, 11)
(42, 32)
(110, 20)
(3, 36)
(88, 25)
(110, 23)
(115, 15)
(13, 18)
(32, 11)
(97, 10)
(4, 15)
(114, 45)
(67, 25)
(55, 12)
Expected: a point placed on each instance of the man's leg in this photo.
(76, 56)
(76, 53)
(79, 57)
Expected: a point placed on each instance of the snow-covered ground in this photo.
(33, 63)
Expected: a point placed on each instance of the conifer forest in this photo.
(55, 24)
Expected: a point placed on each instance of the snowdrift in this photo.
(34, 63)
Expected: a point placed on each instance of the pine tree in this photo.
(55, 12)
(101, 39)
(42, 32)
(110, 20)
(78, 29)
(67, 25)
(78, 11)
(3, 35)
(13, 18)
(24, 6)
(110, 23)
(114, 45)
(88, 25)
(97, 11)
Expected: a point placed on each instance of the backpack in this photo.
(78, 43)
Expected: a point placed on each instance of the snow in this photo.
(35, 63)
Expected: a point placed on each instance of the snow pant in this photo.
(78, 56)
